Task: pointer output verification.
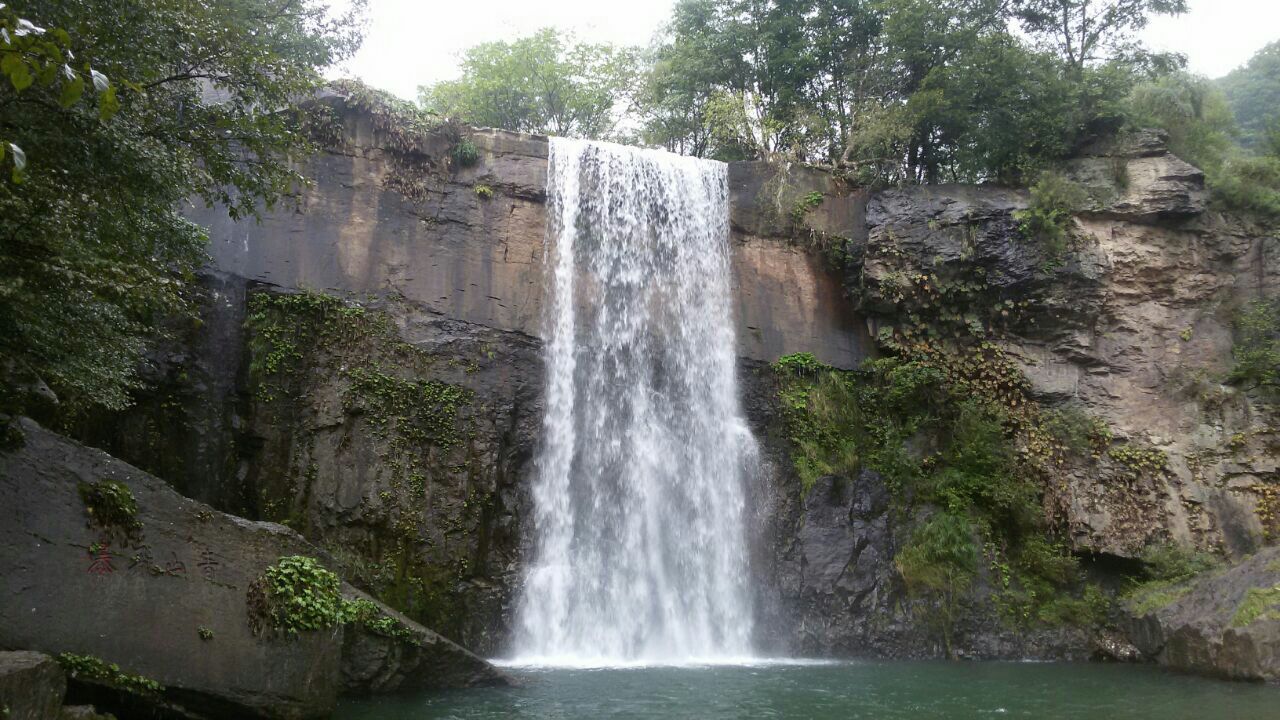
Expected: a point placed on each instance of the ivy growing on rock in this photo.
(97, 670)
(1257, 348)
(1048, 217)
(110, 504)
(297, 594)
(406, 404)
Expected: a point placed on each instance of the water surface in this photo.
(871, 690)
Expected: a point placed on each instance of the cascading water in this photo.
(640, 552)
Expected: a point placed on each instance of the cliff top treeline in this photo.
(890, 91)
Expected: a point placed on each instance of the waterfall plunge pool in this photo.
(875, 690)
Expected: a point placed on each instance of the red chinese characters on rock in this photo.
(100, 560)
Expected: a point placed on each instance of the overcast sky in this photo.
(414, 42)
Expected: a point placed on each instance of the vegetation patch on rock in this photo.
(110, 504)
(94, 669)
(955, 442)
(297, 594)
(1258, 604)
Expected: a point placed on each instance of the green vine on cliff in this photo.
(285, 327)
(298, 595)
(295, 595)
(975, 480)
(424, 412)
(1048, 217)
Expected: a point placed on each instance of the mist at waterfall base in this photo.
(640, 548)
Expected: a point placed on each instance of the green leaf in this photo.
(71, 91)
(108, 105)
(20, 76)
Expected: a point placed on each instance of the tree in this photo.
(1194, 112)
(544, 83)
(959, 98)
(1086, 31)
(753, 79)
(190, 100)
(1254, 94)
(1202, 130)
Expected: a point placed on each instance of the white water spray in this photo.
(640, 554)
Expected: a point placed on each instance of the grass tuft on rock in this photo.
(1258, 604)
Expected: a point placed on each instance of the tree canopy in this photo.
(544, 83)
(886, 91)
(1254, 94)
(118, 113)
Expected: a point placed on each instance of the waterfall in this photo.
(640, 548)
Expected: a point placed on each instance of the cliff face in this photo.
(394, 423)
(1130, 326)
(368, 367)
(1133, 325)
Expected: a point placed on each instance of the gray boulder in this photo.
(162, 591)
(1224, 623)
(32, 686)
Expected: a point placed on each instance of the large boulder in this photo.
(32, 686)
(1224, 623)
(109, 564)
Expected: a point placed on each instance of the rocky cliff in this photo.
(367, 371)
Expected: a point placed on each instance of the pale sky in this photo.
(415, 42)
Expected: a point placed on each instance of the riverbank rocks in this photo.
(32, 686)
(1224, 622)
(148, 592)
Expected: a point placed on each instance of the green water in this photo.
(873, 690)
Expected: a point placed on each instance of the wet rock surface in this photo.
(468, 243)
